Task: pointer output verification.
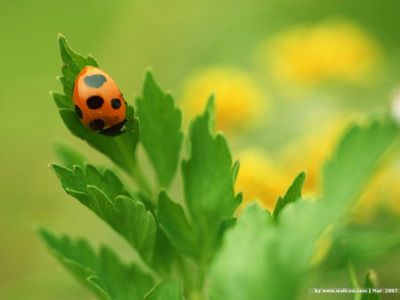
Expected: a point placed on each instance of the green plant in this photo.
(196, 247)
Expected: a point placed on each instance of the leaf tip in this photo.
(149, 81)
(62, 40)
(38, 228)
(235, 170)
(210, 107)
(149, 73)
(163, 194)
(209, 113)
(52, 165)
(60, 35)
(43, 233)
(372, 277)
(302, 177)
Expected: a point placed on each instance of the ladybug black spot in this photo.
(78, 112)
(94, 102)
(95, 81)
(116, 103)
(97, 124)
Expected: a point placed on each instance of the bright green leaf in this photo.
(292, 194)
(104, 194)
(120, 149)
(208, 177)
(176, 226)
(167, 290)
(103, 273)
(240, 268)
(160, 127)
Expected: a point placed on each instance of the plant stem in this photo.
(198, 290)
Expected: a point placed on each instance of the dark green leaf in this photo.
(292, 194)
(167, 290)
(104, 194)
(166, 256)
(160, 126)
(120, 149)
(103, 273)
(176, 226)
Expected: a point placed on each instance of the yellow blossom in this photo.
(383, 191)
(311, 152)
(240, 103)
(260, 178)
(314, 151)
(265, 179)
(332, 50)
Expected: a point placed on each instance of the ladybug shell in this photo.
(98, 101)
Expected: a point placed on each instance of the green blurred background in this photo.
(176, 38)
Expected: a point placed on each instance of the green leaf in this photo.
(73, 64)
(357, 243)
(279, 257)
(176, 226)
(352, 165)
(240, 268)
(355, 160)
(370, 284)
(160, 126)
(166, 256)
(103, 273)
(208, 178)
(120, 149)
(167, 290)
(104, 194)
(357, 155)
(353, 277)
(292, 194)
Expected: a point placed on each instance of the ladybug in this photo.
(98, 102)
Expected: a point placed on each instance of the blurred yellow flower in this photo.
(260, 178)
(240, 103)
(311, 152)
(337, 50)
(383, 191)
(263, 179)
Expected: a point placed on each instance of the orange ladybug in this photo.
(98, 102)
